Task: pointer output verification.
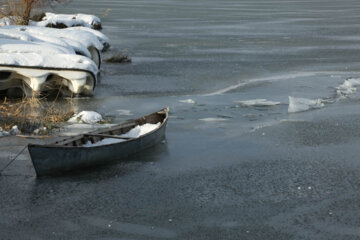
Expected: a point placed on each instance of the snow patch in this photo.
(257, 103)
(89, 117)
(303, 104)
(135, 132)
(140, 130)
(105, 141)
(190, 101)
(73, 37)
(13, 131)
(212, 119)
(6, 21)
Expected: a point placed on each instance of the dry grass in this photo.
(33, 113)
(20, 10)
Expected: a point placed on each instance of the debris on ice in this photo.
(303, 104)
(347, 88)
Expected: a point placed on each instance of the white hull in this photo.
(33, 80)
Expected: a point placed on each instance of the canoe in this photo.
(84, 150)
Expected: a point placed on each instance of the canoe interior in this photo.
(113, 132)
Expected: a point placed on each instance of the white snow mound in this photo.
(140, 130)
(68, 20)
(89, 117)
(135, 132)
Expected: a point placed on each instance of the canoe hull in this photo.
(52, 160)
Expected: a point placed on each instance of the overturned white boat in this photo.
(38, 59)
(81, 40)
(35, 68)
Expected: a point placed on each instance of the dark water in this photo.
(226, 171)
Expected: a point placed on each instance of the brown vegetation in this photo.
(33, 113)
(20, 10)
(117, 56)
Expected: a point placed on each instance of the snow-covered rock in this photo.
(68, 20)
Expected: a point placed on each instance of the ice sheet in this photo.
(190, 101)
(303, 104)
(257, 103)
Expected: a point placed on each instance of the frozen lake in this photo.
(231, 168)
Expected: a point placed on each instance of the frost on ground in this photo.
(303, 104)
(257, 103)
(89, 117)
(135, 132)
(347, 88)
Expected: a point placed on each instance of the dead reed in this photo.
(20, 11)
(31, 113)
